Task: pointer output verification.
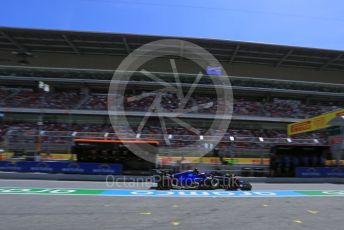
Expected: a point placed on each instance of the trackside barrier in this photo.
(123, 178)
(60, 167)
(320, 172)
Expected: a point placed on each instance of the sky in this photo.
(307, 23)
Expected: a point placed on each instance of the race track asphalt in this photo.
(155, 213)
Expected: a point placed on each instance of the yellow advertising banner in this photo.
(312, 124)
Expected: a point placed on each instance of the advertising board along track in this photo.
(170, 193)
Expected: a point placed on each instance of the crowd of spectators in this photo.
(168, 102)
(27, 98)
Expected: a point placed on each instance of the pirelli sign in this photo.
(312, 124)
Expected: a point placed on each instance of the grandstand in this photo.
(78, 67)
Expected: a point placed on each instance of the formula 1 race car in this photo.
(193, 179)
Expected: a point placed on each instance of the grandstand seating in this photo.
(28, 98)
(57, 134)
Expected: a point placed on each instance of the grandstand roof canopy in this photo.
(90, 43)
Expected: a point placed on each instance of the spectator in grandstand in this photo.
(142, 101)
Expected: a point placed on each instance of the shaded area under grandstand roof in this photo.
(91, 43)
